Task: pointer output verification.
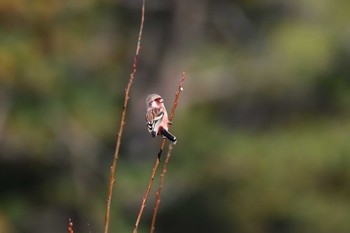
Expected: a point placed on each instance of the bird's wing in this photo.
(154, 114)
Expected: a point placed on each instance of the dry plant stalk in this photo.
(70, 226)
(122, 121)
(144, 199)
(155, 210)
(160, 187)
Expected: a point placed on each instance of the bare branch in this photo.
(70, 226)
(122, 121)
(160, 187)
(144, 199)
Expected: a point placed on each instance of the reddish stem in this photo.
(161, 180)
(144, 199)
(70, 226)
(122, 122)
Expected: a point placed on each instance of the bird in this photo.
(157, 118)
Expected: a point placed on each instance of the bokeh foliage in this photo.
(263, 123)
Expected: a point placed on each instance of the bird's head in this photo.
(154, 101)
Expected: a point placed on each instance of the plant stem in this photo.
(122, 122)
(144, 199)
(161, 180)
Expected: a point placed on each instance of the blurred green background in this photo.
(263, 122)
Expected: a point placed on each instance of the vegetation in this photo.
(263, 127)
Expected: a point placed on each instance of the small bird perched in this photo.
(157, 118)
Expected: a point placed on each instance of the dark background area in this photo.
(263, 122)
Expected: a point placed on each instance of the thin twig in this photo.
(177, 94)
(160, 187)
(122, 121)
(144, 199)
(155, 210)
(70, 226)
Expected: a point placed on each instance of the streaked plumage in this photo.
(157, 117)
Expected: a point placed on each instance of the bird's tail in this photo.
(169, 136)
